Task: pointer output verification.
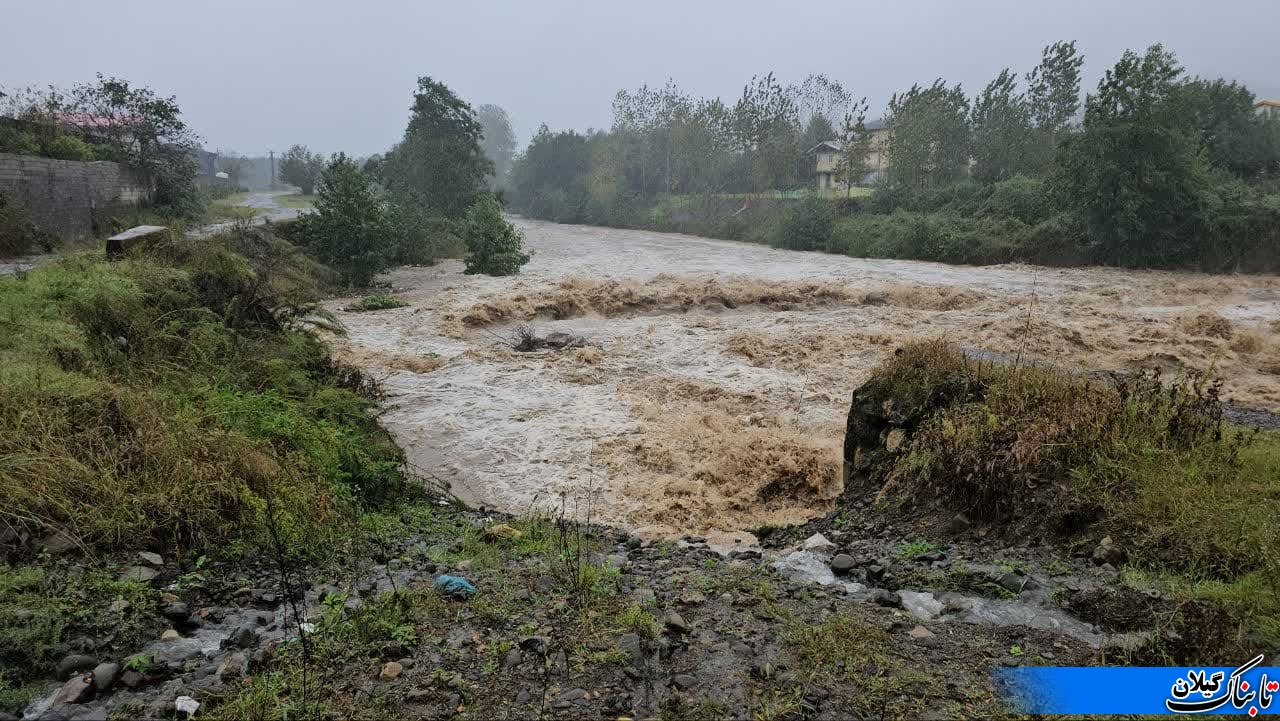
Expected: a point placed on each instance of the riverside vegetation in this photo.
(1165, 170)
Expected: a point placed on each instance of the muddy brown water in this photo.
(712, 396)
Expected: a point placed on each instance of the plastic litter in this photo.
(453, 585)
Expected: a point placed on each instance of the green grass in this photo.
(295, 200)
(1144, 460)
(41, 610)
(377, 301)
(160, 399)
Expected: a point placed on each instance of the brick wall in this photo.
(66, 197)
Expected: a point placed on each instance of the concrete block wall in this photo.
(68, 198)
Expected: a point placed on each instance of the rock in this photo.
(513, 659)
(920, 633)
(151, 559)
(684, 681)
(186, 706)
(894, 439)
(676, 622)
(119, 606)
(745, 554)
(875, 572)
(886, 598)
(178, 612)
(618, 561)
(74, 664)
(105, 675)
(930, 556)
(959, 523)
(170, 635)
(842, 564)
(58, 543)
(536, 645)
(243, 637)
(391, 670)
(139, 574)
(545, 584)
(233, 666)
(1107, 553)
(630, 643)
(503, 531)
(77, 690)
(644, 596)
(817, 542)
(132, 679)
(523, 696)
(804, 566)
(922, 605)
(1012, 582)
(573, 695)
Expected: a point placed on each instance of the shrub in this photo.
(1025, 199)
(69, 147)
(377, 301)
(807, 225)
(18, 235)
(348, 230)
(493, 244)
(1052, 452)
(163, 400)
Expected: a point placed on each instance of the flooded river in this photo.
(711, 391)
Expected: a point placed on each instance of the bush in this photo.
(937, 237)
(1022, 198)
(349, 229)
(1050, 452)
(377, 301)
(807, 226)
(163, 400)
(69, 147)
(493, 244)
(18, 235)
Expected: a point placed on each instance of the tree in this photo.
(548, 180)
(439, 165)
(493, 244)
(929, 141)
(1136, 174)
(499, 141)
(301, 167)
(1234, 137)
(767, 122)
(1001, 122)
(348, 229)
(234, 165)
(1053, 98)
(855, 145)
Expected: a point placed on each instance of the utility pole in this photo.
(272, 153)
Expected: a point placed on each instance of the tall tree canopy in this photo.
(439, 165)
(499, 141)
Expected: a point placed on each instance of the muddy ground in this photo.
(709, 391)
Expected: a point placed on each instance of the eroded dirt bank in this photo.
(711, 390)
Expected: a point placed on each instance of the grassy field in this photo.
(296, 200)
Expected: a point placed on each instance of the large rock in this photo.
(885, 411)
(77, 690)
(74, 664)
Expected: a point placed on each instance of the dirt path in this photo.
(712, 393)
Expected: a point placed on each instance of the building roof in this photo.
(831, 146)
(1267, 104)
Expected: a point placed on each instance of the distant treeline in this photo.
(1159, 170)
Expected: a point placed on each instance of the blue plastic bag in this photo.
(453, 585)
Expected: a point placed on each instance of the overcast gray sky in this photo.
(251, 76)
